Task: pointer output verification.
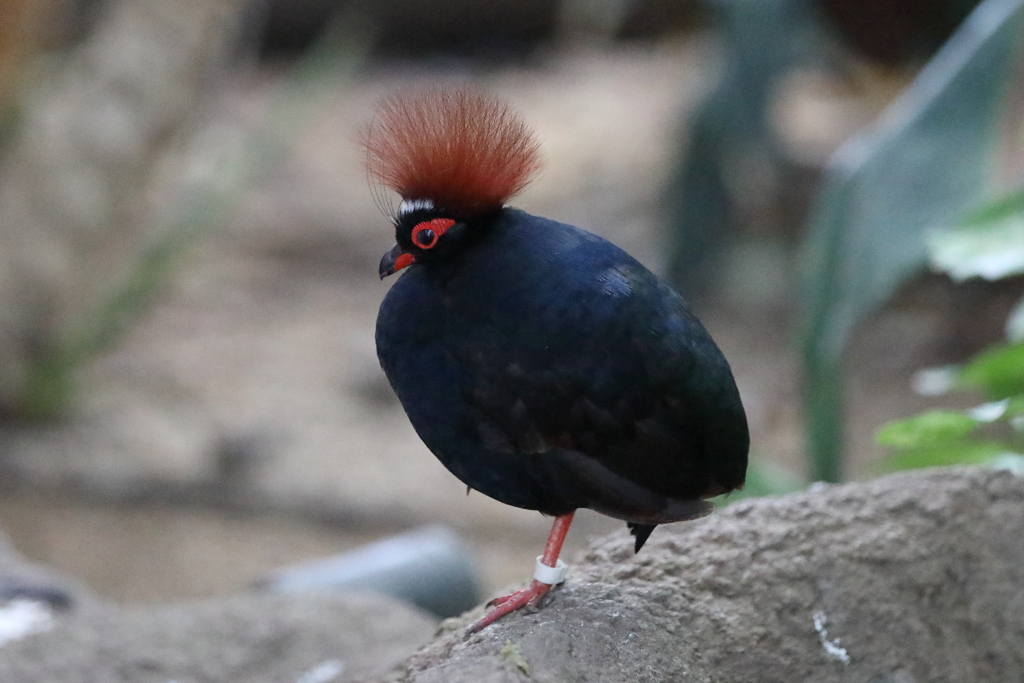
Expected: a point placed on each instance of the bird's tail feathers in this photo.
(641, 532)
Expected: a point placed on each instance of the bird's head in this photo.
(455, 157)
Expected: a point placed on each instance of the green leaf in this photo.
(992, 250)
(945, 454)
(999, 371)
(932, 427)
(1007, 206)
(1015, 406)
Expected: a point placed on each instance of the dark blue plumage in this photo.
(548, 369)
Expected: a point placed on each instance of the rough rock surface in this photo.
(53, 630)
(914, 577)
(251, 638)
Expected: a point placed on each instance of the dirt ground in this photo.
(256, 371)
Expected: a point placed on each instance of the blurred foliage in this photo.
(991, 433)
(733, 165)
(764, 478)
(729, 136)
(209, 201)
(20, 43)
(988, 243)
(930, 156)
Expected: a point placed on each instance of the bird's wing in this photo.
(633, 383)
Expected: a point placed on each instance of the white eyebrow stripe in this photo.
(410, 205)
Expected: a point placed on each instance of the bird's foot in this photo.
(549, 571)
(527, 597)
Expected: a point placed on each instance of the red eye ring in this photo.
(425, 235)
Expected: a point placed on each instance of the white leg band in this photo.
(550, 575)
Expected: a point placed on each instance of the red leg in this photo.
(532, 595)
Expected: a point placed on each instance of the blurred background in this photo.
(190, 399)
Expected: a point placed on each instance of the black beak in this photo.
(393, 261)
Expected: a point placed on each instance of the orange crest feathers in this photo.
(465, 152)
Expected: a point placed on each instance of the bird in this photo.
(541, 364)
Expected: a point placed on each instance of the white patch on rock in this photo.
(324, 672)
(832, 648)
(20, 618)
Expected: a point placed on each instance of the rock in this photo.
(22, 581)
(54, 630)
(913, 577)
(429, 567)
(301, 638)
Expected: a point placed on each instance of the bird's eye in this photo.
(426, 238)
(425, 234)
